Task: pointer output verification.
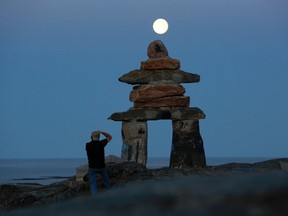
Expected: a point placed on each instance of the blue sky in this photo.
(60, 62)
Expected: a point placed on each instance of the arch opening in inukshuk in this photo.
(157, 94)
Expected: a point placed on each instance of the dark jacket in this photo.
(96, 153)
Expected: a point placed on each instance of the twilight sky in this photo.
(60, 61)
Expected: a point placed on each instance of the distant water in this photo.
(42, 171)
(47, 171)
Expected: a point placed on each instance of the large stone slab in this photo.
(145, 114)
(152, 76)
(154, 91)
(160, 63)
(173, 101)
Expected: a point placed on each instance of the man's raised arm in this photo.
(107, 135)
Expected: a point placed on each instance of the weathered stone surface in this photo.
(145, 114)
(134, 137)
(160, 63)
(140, 115)
(150, 92)
(173, 101)
(187, 145)
(184, 113)
(157, 49)
(150, 76)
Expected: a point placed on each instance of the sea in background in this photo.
(47, 171)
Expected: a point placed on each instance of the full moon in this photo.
(160, 26)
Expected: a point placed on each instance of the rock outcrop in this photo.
(247, 189)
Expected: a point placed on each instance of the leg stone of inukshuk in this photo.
(134, 137)
(187, 145)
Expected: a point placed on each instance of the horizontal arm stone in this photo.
(150, 76)
(174, 113)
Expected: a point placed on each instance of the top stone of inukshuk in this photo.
(158, 93)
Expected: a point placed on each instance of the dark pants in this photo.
(93, 179)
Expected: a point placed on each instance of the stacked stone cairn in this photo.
(157, 94)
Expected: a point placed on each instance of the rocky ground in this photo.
(235, 188)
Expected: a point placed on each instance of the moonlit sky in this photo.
(60, 61)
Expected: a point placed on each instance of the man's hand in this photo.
(107, 135)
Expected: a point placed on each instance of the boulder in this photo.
(112, 159)
(157, 49)
(116, 171)
(173, 101)
(127, 171)
(284, 165)
(81, 172)
(152, 76)
(150, 92)
(160, 63)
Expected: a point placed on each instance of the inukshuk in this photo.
(157, 94)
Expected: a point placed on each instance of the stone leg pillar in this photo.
(134, 137)
(187, 145)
